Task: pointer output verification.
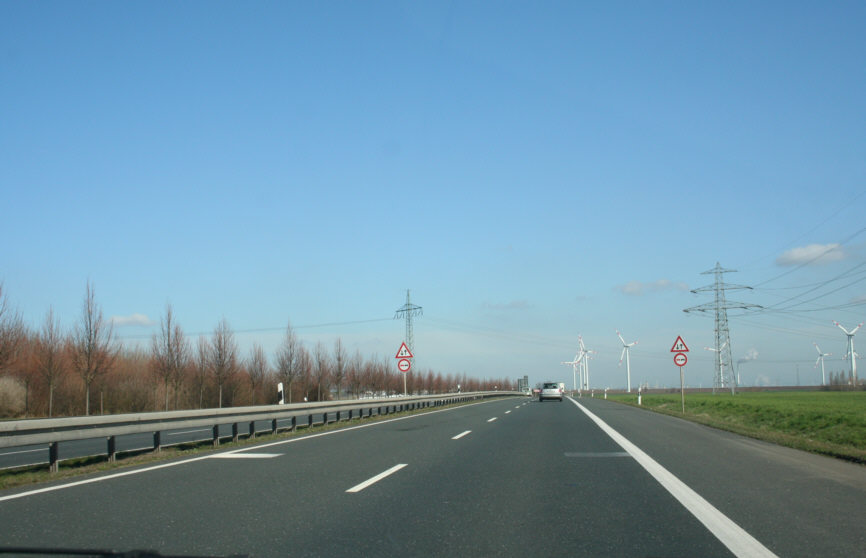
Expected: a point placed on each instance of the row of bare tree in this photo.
(50, 372)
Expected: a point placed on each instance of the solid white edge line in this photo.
(193, 459)
(457, 437)
(245, 455)
(377, 478)
(737, 539)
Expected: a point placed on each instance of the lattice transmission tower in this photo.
(725, 375)
(409, 311)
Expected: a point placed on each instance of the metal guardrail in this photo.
(56, 430)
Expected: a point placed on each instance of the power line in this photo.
(268, 329)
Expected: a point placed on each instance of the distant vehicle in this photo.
(550, 390)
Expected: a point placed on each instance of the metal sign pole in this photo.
(682, 389)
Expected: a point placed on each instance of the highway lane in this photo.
(539, 479)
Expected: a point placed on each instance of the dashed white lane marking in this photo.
(457, 437)
(377, 478)
(738, 541)
(245, 455)
(491, 420)
(508, 411)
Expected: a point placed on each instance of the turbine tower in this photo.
(575, 364)
(720, 307)
(409, 311)
(851, 352)
(821, 359)
(585, 355)
(625, 350)
(718, 351)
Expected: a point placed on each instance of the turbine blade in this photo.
(624, 349)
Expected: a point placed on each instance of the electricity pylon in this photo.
(409, 311)
(720, 307)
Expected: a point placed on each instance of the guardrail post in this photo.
(274, 427)
(252, 429)
(157, 442)
(339, 414)
(52, 457)
(325, 419)
(112, 449)
(234, 432)
(310, 420)
(351, 414)
(294, 423)
(216, 435)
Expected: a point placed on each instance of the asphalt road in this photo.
(501, 478)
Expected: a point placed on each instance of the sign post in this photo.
(403, 363)
(680, 359)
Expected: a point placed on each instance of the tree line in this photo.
(48, 371)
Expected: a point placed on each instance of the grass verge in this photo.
(828, 423)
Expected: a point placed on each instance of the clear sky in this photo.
(532, 171)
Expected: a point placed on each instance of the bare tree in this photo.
(339, 370)
(287, 361)
(181, 356)
(322, 369)
(257, 369)
(305, 370)
(223, 356)
(12, 332)
(92, 351)
(354, 372)
(201, 368)
(170, 353)
(49, 355)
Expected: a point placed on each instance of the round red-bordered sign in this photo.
(680, 359)
(404, 364)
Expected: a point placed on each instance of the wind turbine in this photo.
(625, 348)
(574, 366)
(585, 355)
(821, 359)
(722, 365)
(851, 352)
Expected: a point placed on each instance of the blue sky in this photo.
(532, 171)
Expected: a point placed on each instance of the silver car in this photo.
(550, 390)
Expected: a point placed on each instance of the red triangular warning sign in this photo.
(404, 352)
(679, 346)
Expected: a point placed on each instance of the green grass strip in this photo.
(828, 423)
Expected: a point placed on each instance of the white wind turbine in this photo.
(585, 355)
(821, 359)
(575, 364)
(851, 352)
(625, 351)
(722, 364)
